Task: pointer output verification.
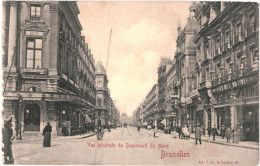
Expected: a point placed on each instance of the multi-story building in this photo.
(113, 113)
(151, 106)
(103, 99)
(185, 67)
(138, 115)
(171, 96)
(48, 70)
(227, 65)
(165, 65)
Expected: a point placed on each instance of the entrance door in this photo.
(32, 117)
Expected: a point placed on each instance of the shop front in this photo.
(223, 117)
(250, 123)
(199, 117)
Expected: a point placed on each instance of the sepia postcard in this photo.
(130, 83)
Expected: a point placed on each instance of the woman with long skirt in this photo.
(47, 135)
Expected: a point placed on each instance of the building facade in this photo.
(104, 103)
(172, 97)
(151, 106)
(216, 70)
(165, 65)
(185, 63)
(48, 70)
(227, 65)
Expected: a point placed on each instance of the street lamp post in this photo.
(19, 126)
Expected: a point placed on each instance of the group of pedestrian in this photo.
(213, 132)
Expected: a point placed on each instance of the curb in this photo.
(220, 143)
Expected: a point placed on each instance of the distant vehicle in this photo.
(125, 125)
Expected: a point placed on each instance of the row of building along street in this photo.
(49, 73)
(212, 78)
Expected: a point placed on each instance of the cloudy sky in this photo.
(142, 32)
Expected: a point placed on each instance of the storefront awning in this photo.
(87, 119)
(163, 122)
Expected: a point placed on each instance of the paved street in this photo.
(78, 150)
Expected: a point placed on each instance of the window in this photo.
(252, 55)
(35, 12)
(34, 53)
(99, 84)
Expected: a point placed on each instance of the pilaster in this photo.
(12, 34)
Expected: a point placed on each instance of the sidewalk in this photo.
(219, 140)
(56, 137)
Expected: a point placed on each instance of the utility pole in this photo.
(108, 50)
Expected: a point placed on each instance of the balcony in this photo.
(232, 75)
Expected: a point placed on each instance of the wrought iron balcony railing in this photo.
(233, 75)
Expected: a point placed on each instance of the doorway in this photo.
(32, 117)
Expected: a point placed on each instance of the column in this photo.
(232, 113)
(213, 117)
(205, 118)
(12, 33)
(3, 33)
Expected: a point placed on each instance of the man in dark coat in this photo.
(7, 134)
(214, 132)
(65, 131)
(198, 134)
(179, 131)
(209, 131)
(222, 131)
(47, 135)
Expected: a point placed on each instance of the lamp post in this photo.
(19, 126)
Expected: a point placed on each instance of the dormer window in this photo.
(35, 12)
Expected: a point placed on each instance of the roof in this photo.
(100, 68)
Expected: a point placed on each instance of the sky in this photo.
(142, 32)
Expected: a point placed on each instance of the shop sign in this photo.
(236, 83)
(34, 71)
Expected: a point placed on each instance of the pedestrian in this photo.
(209, 131)
(80, 130)
(7, 134)
(179, 131)
(214, 132)
(198, 134)
(207, 135)
(65, 131)
(228, 135)
(204, 131)
(47, 135)
(222, 131)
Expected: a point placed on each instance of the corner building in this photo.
(227, 51)
(48, 70)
